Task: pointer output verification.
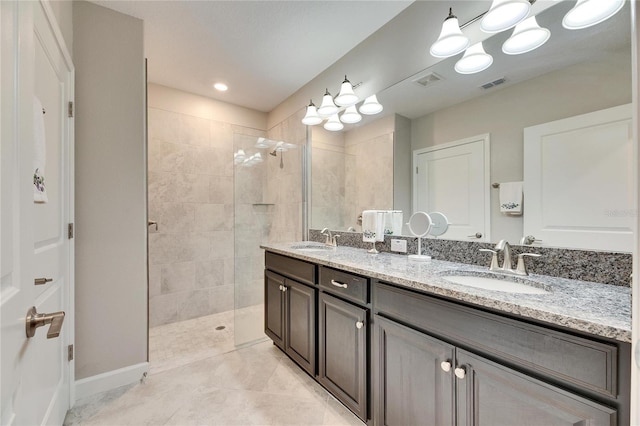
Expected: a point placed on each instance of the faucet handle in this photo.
(521, 269)
(494, 259)
(334, 240)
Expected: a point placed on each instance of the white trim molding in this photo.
(99, 383)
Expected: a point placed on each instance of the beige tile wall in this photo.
(191, 196)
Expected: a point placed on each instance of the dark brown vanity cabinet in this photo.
(290, 310)
(343, 352)
(439, 363)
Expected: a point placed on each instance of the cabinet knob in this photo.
(280, 287)
(459, 372)
(359, 325)
(446, 366)
(284, 288)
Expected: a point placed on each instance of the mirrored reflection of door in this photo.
(454, 179)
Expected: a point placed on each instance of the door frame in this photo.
(69, 132)
(486, 148)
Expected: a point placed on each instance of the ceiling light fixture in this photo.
(504, 14)
(346, 97)
(527, 36)
(475, 59)
(221, 87)
(451, 40)
(590, 12)
(345, 101)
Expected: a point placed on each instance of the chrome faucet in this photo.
(507, 266)
(332, 240)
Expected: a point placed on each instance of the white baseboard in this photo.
(99, 383)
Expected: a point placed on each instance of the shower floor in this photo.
(180, 343)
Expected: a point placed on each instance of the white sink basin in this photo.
(311, 247)
(495, 284)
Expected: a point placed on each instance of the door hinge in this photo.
(416, 170)
(70, 231)
(70, 110)
(70, 353)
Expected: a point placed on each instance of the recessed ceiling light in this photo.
(221, 87)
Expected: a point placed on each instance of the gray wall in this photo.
(504, 114)
(63, 11)
(110, 191)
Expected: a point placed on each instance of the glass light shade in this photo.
(504, 14)
(311, 118)
(451, 40)
(262, 143)
(590, 12)
(475, 59)
(328, 108)
(350, 115)
(256, 158)
(281, 147)
(346, 96)
(526, 37)
(370, 106)
(333, 124)
(240, 155)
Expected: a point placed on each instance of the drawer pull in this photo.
(459, 372)
(339, 284)
(446, 366)
(359, 324)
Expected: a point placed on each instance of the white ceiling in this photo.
(264, 50)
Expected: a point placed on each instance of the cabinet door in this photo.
(300, 328)
(491, 394)
(411, 384)
(274, 308)
(343, 352)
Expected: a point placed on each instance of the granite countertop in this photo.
(599, 309)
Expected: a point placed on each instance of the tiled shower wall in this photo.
(191, 196)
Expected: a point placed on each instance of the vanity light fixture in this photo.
(333, 124)
(474, 60)
(350, 116)
(346, 97)
(328, 108)
(504, 14)
(527, 36)
(311, 118)
(590, 12)
(345, 102)
(371, 106)
(451, 40)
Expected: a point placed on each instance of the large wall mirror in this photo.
(370, 165)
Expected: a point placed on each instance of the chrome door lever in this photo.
(35, 320)
(41, 281)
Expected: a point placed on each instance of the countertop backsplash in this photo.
(586, 265)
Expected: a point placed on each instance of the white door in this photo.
(453, 179)
(579, 181)
(35, 371)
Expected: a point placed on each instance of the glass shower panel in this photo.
(252, 220)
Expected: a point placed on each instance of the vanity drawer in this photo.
(559, 356)
(344, 284)
(299, 270)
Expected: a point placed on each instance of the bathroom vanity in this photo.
(399, 344)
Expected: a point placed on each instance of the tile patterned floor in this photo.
(214, 384)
